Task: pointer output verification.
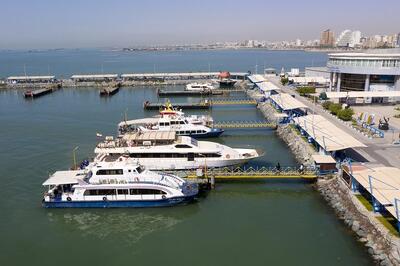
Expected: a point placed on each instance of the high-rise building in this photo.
(327, 38)
(349, 38)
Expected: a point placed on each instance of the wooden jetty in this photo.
(190, 93)
(156, 106)
(37, 93)
(106, 92)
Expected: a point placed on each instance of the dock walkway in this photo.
(253, 173)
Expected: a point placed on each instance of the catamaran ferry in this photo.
(122, 183)
(164, 150)
(171, 119)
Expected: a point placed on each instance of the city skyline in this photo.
(73, 24)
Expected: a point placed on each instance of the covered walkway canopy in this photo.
(30, 79)
(256, 78)
(267, 86)
(362, 94)
(385, 183)
(326, 134)
(95, 77)
(287, 102)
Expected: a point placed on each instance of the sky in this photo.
(122, 23)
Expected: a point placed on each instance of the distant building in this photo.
(398, 40)
(349, 39)
(327, 38)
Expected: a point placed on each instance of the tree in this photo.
(305, 90)
(323, 96)
(284, 81)
(346, 114)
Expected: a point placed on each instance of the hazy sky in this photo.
(100, 23)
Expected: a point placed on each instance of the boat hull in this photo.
(119, 203)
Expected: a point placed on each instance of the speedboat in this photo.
(122, 183)
(204, 87)
(173, 120)
(164, 150)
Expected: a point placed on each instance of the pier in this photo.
(221, 174)
(244, 124)
(165, 93)
(206, 104)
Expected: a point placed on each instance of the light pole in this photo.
(397, 212)
(74, 156)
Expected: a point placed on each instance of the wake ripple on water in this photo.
(133, 226)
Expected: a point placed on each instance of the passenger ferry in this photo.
(173, 120)
(199, 87)
(164, 150)
(122, 183)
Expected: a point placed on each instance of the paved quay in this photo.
(378, 150)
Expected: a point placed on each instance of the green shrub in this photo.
(326, 105)
(305, 90)
(323, 96)
(334, 108)
(346, 114)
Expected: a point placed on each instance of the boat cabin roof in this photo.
(64, 177)
(151, 120)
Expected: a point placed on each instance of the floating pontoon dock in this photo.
(37, 93)
(109, 91)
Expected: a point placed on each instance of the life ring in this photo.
(69, 199)
(163, 196)
(104, 198)
(227, 156)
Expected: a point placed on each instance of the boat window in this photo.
(99, 192)
(173, 122)
(194, 142)
(140, 169)
(145, 191)
(182, 122)
(109, 172)
(122, 191)
(166, 124)
(180, 146)
(162, 124)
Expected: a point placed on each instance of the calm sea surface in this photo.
(263, 223)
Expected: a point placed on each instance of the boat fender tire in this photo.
(163, 196)
(104, 198)
(69, 199)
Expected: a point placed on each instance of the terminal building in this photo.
(373, 76)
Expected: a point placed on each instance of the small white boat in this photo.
(122, 183)
(164, 150)
(199, 87)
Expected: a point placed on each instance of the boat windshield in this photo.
(140, 169)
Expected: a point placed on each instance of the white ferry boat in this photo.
(173, 120)
(122, 183)
(165, 151)
(199, 87)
